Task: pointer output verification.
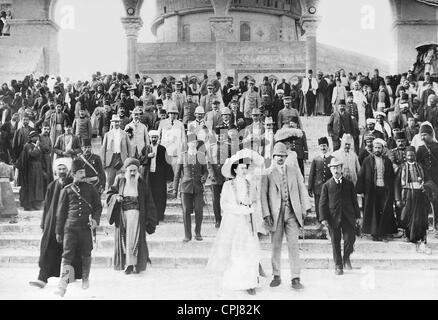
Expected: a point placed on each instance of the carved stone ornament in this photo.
(222, 27)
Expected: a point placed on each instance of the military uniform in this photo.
(300, 147)
(192, 172)
(397, 157)
(94, 172)
(78, 201)
(319, 174)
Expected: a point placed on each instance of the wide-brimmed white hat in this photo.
(243, 156)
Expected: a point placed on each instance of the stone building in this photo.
(235, 37)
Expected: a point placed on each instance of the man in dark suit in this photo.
(237, 117)
(339, 211)
(371, 131)
(319, 172)
(340, 122)
(192, 171)
(157, 171)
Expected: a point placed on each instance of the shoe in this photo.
(39, 284)
(422, 248)
(185, 240)
(135, 271)
(129, 269)
(217, 225)
(198, 237)
(296, 285)
(251, 292)
(347, 263)
(339, 272)
(275, 282)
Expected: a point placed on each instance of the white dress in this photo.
(235, 253)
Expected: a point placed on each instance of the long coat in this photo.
(50, 250)
(336, 122)
(365, 185)
(107, 150)
(271, 194)
(147, 221)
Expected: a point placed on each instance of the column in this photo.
(310, 25)
(223, 29)
(132, 26)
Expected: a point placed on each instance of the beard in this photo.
(131, 179)
(62, 175)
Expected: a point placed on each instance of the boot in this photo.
(67, 273)
(86, 265)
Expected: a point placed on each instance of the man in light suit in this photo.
(339, 211)
(309, 90)
(140, 137)
(213, 117)
(115, 150)
(283, 207)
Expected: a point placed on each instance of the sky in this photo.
(92, 37)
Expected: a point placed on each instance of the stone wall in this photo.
(21, 61)
(279, 59)
(264, 27)
(416, 23)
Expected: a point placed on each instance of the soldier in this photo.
(79, 210)
(299, 145)
(319, 172)
(192, 170)
(94, 173)
(398, 155)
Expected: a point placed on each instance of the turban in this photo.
(379, 141)
(67, 162)
(131, 161)
(371, 120)
(154, 133)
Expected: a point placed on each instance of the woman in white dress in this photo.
(235, 253)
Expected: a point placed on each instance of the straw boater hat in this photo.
(199, 110)
(335, 162)
(225, 111)
(172, 108)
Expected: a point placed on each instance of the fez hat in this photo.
(399, 135)
(342, 103)
(295, 119)
(163, 111)
(216, 101)
(86, 142)
(323, 140)
(77, 164)
(279, 149)
(410, 148)
(131, 161)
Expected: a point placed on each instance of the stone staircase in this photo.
(19, 243)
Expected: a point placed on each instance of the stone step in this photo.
(166, 242)
(103, 259)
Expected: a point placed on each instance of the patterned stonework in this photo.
(222, 27)
(132, 26)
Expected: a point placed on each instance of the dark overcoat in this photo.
(372, 224)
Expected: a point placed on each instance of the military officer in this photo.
(78, 214)
(192, 171)
(397, 155)
(94, 173)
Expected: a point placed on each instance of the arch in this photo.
(136, 4)
(221, 7)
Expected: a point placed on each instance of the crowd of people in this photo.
(246, 142)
